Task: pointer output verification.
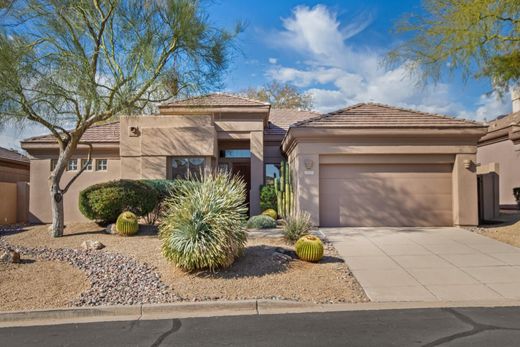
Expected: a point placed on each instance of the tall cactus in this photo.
(284, 191)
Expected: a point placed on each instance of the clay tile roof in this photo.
(12, 155)
(372, 115)
(103, 133)
(502, 122)
(215, 100)
(281, 118)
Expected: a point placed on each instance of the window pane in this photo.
(235, 153)
(272, 171)
(72, 165)
(184, 168)
(84, 161)
(101, 165)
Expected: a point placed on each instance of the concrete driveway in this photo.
(428, 264)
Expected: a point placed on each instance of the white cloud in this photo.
(492, 105)
(273, 61)
(338, 74)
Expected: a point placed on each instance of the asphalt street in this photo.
(417, 327)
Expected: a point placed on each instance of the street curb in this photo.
(215, 309)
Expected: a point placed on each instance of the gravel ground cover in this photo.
(131, 270)
(508, 231)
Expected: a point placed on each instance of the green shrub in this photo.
(309, 248)
(297, 225)
(516, 193)
(271, 213)
(261, 222)
(268, 197)
(104, 202)
(203, 223)
(165, 189)
(126, 224)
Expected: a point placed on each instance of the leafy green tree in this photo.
(72, 64)
(481, 38)
(280, 96)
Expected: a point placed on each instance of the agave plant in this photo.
(203, 225)
(297, 225)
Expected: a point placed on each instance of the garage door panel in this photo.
(410, 185)
(366, 195)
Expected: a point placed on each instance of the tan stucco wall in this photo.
(11, 172)
(507, 155)
(8, 203)
(39, 201)
(344, 149)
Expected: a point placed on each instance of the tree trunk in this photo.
(57, 209)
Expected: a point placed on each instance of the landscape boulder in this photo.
(92, 245)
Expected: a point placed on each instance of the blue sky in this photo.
(332, 50)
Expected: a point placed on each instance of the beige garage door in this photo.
(385, 195)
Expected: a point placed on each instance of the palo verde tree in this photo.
(480, 38)
(72, 64)
(280, 95)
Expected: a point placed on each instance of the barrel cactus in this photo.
(126, 224)
(271, 213)
(309, 248)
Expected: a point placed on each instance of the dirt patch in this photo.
(508, 231)
(255, 275)
(35, 284)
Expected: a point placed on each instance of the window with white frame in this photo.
(88, 163)
(101, 165)
(72, 165)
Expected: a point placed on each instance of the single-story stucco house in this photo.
(501, 145)
(365, 165)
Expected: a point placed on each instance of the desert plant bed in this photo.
(268, 269)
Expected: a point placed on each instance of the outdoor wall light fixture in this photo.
(467, 163)
(308, 164)
(133, 131)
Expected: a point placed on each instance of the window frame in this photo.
(75, 161)
(98, 168)
(83, 161)
(189, 172)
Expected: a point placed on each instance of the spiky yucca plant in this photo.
(203, 225)
(297, 225)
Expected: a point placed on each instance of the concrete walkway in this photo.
(428, 264)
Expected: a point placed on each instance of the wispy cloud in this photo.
(338, 73)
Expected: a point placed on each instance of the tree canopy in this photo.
(481, 38)
(280, 95)
(71, 64)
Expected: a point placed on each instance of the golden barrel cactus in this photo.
(309, 248)
(126, 224)
(271, 213)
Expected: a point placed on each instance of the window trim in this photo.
(72, 161)
(83, 161)
(98, 161)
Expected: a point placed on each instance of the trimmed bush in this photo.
(271, 213)
(203, 224)
(126, 224)
(309, 248)
(261, 222)
(297, 225)
(165, 189)
(516, 193)
(268, 197)
(104, 202)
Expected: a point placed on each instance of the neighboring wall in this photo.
(40, 203)
(12, 172)
(507, 155)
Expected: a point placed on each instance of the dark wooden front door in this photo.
(244, 170)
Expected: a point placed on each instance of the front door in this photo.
(243, 170)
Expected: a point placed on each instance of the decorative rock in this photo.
(281, 258)
(10, 256)
(111, 229)
(95, 245)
